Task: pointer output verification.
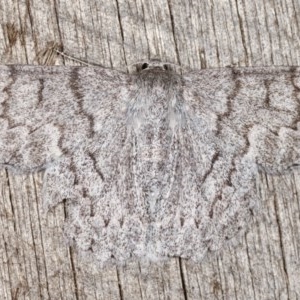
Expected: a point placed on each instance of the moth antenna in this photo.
(73, 58)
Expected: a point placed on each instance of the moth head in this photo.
(153, 65)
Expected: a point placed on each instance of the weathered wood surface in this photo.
(34, 261)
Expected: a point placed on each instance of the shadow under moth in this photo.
(152, 164)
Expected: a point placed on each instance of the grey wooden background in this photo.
(34, 261)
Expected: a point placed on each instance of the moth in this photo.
(152, 164)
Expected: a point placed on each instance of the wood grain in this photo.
(34, 261)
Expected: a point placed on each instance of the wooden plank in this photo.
(35, 262)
